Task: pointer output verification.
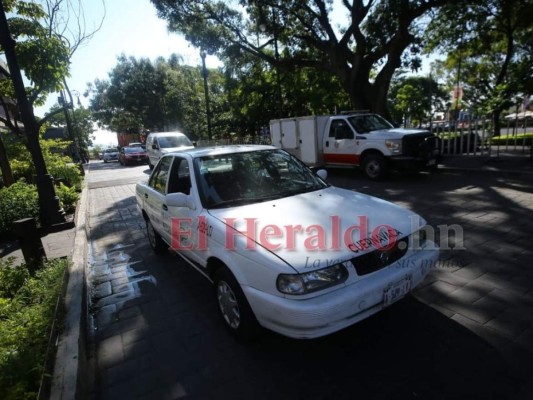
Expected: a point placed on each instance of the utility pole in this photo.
(203, 54)
(50, 209)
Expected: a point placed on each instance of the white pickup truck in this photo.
(355, 139)
(284, 249)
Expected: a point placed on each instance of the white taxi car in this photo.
(284, 249)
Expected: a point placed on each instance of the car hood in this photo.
(308, 230)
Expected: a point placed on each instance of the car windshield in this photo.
(227, 180)
(111, 151)
(173, 141)
(133, 150)
(368, 122)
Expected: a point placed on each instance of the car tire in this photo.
(234, 309)
(150, 165)
(375, 166)
(157, 244)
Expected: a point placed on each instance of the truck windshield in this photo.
(368, 122)
(234, 179)
(166, 142)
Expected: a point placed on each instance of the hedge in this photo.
(27, 310)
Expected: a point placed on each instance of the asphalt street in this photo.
(467, 332)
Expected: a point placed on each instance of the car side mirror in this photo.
(179, 200)
(155, 146)
(322, 173)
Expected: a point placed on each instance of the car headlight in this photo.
(312, 281)
(395, 146)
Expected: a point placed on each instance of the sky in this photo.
(130, 27)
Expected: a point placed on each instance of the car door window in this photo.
(158, 179)
(180, 179)
(340, 130)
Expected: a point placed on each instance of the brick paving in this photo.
(467, 332)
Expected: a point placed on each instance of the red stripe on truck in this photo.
(341, 158)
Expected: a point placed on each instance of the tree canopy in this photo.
(154, 95)
(361, 43)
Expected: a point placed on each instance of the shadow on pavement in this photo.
(175, 342)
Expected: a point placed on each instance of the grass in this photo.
(519, 138)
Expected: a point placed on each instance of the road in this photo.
(466, 333)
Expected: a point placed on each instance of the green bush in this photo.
(70, 173)
(26, 317)
(58, 164)
(68, 196)
(11, 279)
(18, 201)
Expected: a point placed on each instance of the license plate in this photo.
(432, 162)
(397, 291)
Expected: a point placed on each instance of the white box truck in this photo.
(355, 140)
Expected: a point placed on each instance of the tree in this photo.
(158, 96)
(82, 125)
(33, 42)
(50, 209)
(251, 88)
(373, 40)
(489, 50)
(415, 98)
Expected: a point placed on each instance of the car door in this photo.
(154, 198)
(339, 144)
(186, 222)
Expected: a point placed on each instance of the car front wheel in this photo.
(375, 166)
(156, 242)
(233, 306)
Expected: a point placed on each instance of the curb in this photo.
(485, 170)
(70, 360)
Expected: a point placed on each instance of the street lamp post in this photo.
(206, 91)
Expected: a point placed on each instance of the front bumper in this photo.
(414, 163)
(318, 316)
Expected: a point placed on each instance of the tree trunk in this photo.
(7, 173)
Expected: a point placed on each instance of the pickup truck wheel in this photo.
(375, 166)
(234, 308)
(150, 165)
(156, 243)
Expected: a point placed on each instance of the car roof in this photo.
(221, 150)
(175, 133)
